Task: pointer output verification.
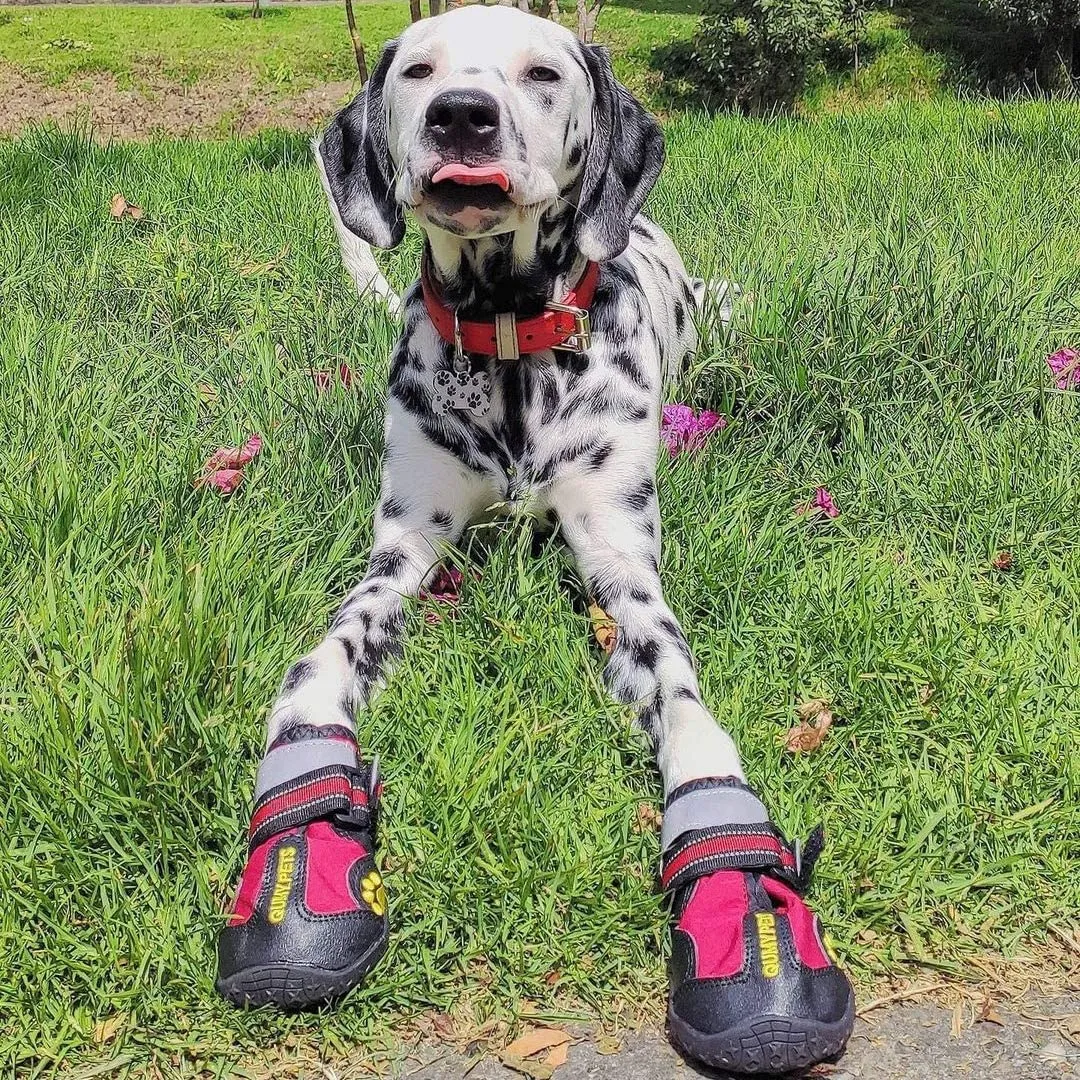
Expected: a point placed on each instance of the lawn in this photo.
(907, 271)
(288, 50)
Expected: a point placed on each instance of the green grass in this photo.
(289, 49)
(909, 271)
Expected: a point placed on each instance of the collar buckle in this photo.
(581, 338)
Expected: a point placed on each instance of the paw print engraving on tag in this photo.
(463, 391)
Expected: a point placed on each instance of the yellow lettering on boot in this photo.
(283, 879)
(770, 947)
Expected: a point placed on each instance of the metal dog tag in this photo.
(463, 391)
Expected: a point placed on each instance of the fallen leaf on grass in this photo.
(648, 819)
(815, 719)
(1003, 561)
(119, 207)
(443, 1025)
(207, 394)
(105, 1030)
(604, 627)
(926, 693)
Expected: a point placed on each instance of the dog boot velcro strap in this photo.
(720, 824)
(305, 779)
(754, 986)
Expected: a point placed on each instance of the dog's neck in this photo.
(518, 271)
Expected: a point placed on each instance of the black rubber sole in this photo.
(769, 1045)
(292, 986)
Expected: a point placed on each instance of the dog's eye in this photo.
(539, 73)
(417, 71)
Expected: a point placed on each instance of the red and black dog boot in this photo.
(754, 985)
(309, 920)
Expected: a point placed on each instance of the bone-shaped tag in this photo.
(461, 390)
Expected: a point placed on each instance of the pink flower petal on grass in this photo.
(1065, 364)
(224, 480)
(681, 429)
(445, 588)
(822, 504)
(234, 457)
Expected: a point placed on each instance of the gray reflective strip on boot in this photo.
(706, 807)
(285, 763)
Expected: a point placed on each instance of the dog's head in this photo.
(482, 119)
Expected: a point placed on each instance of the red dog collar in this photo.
(561, 326)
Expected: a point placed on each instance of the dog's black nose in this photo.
(464, 120)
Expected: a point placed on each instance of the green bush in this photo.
(756, 53)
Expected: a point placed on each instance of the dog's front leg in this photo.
(310, 920)
(753, 986)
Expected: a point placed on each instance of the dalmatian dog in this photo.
(548, 315)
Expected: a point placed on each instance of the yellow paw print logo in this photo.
(371, 889)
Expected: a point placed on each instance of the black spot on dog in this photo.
(574, 156)
(392, 508)
(298, 674)
(387, 563)
(599, 456)
(645, 654)
(639, 497)
(680, 317)
(628, 366)
(442, 519)
(350, 649)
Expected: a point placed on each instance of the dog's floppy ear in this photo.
(355, 155)
(625, 157)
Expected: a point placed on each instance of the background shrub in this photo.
(756, 53)
(1053, 26)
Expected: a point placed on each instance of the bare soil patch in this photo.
(234, 105)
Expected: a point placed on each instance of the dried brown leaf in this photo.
(1003, 560)
(988, 1014)
(648, 819)
(535, 1040)
(105, 1030)
(557, 1056)
(443, 1025)
(815, 719)
(605, 629)
(538, 1070)
(119, 207)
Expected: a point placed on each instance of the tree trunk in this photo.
(256, 9)
(434, 7)
(1055, 63)
(587, 14)
(357, 43)
(415, 14)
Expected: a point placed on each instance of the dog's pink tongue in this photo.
(473, 175)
